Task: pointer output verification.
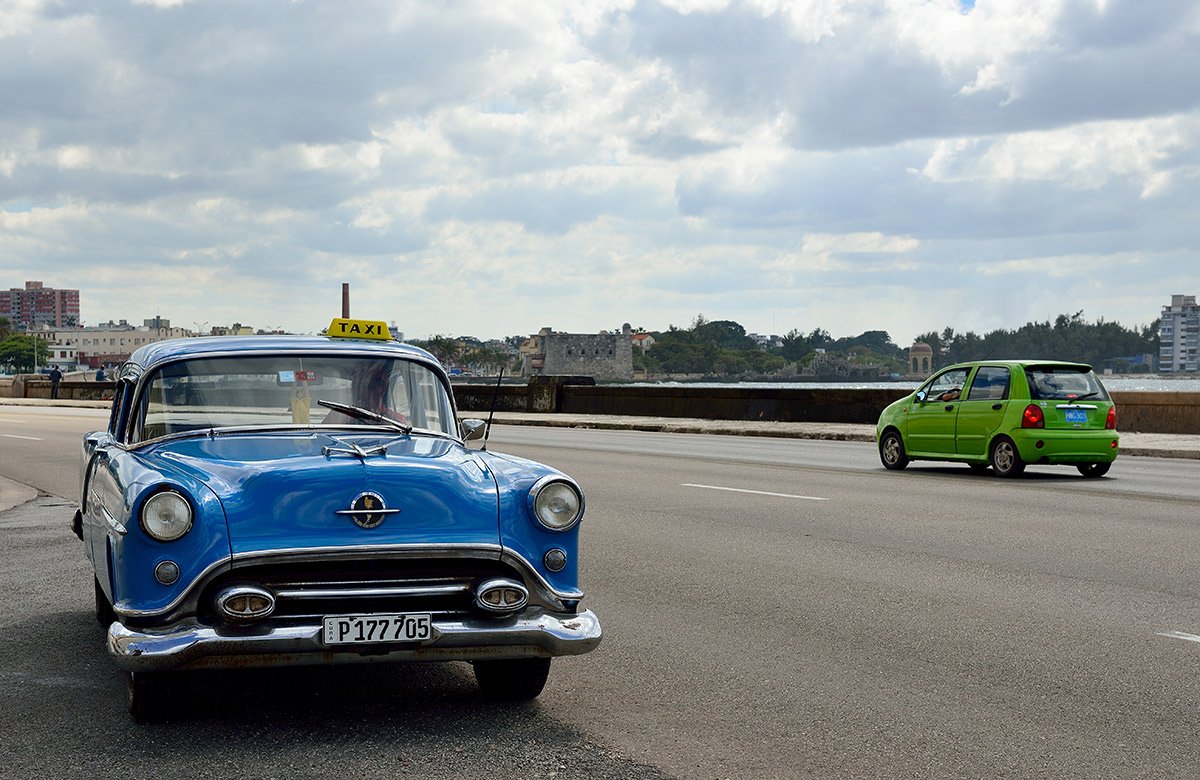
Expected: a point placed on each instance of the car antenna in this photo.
(495, 396)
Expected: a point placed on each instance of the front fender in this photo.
(894, 415)
(134, 554)
(520, 531)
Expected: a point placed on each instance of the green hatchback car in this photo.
(1004, 414)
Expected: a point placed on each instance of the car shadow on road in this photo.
(65, 716)
(1033, 475)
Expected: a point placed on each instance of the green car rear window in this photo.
(1063, 383)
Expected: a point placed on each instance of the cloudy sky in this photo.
(489, 168)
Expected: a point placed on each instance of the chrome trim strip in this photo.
(366, 511)
(457, 638)
(402, 551)
(196, 585)
(368, 592)
(113, 525)
(487, 551)
(1076, 406)
(516, 560)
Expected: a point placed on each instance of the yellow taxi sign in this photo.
(341, 328)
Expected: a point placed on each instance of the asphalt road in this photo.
(836, 620)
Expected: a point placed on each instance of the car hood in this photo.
(284, 490)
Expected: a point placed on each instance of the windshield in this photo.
(286, 390)
(1063, 383)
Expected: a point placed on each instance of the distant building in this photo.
(112, 343)
(643, 341)
(1179, 336)
(920, 358)
(605, 356)
(766, 342)
(38, 306)
(236, 329)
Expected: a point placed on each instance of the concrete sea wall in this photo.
(1141, 412)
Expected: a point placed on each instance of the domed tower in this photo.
(920, 358)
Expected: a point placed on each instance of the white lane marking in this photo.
(15, 436)
(755, 492)
(1180, 635)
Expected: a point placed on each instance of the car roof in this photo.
(171, 350)
(1022, 364)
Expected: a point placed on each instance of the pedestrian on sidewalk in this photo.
(55, 377)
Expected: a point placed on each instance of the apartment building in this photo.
(1179, 336)
(37, 306)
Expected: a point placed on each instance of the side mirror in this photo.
(921, 396)
(472, 429)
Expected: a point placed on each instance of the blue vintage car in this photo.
(312, 500)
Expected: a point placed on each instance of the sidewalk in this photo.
(14, 494)
(1160, 445)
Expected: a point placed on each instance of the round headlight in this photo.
(166, 516)
(558, 505)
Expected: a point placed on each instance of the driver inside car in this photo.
(369, 390)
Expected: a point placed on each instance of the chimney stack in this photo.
(346, 300)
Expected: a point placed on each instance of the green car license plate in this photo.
(372, 629)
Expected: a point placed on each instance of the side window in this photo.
(990, 384)
(947, 386)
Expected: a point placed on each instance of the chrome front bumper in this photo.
(188, 645)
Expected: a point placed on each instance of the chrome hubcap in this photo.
(891, 449)
(1004, 457)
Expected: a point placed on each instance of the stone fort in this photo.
(606, 356)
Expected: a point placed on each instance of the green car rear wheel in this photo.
(1006, 461)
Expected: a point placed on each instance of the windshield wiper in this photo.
(365, 414)
(1085, 395)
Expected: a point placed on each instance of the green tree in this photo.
(446, 349)
(795, 345)
(5, 328)
(1068, 337)
(20, 353)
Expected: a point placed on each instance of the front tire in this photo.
(1093, 470)
(104, 610)
(152, 696)
(519, 679)
(891, 451)
(1006, 460)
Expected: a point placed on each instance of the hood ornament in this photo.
(367, 510)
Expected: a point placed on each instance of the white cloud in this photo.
(591, 162)
(1081, 157)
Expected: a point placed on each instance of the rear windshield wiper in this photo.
(1085, 395)
(365, 414)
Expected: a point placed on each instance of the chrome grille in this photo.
(313, 588)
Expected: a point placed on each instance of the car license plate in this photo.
(370, 629)
(1076, 415)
